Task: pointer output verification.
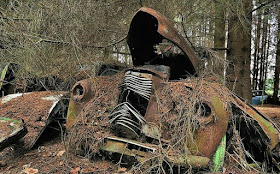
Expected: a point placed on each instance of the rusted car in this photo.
(164, 107)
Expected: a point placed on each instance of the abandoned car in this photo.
(163, 107)
(161, 110)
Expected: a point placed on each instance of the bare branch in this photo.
(262, 5)
(183, 26)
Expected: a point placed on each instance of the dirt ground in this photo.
(272, 111)
(50, 156)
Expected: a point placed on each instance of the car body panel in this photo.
(10, 131)
(36, 109)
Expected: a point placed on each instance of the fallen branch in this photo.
(106, 46)
(83, 45)
(16, 19)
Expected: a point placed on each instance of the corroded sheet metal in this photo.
(10, 131)
(90, 90)
(163, 72)
(196, 109)
(81, 93)
(209, 128)
(37, 109)
(209, 137)
(166, 30)
(269, 128)
(144, 151)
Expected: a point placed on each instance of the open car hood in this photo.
(148, 28)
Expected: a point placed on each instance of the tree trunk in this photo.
(277, 64)
(266, 55)
(194, 39)
(220, 35)
(262, 53)
(239, 54)
(256, 52)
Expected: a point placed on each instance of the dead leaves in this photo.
(30, 171)
(76, 170)
(122, 170)
(60, 153)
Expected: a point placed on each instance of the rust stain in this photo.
(92, 89)
(266, 124)
(208, 138)
(161, 75)
(166, 29)
(80, 94)
(152, 113)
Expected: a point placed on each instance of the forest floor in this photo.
(50, 156)
(272, 111)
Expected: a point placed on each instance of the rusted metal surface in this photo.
(37, 109)
(10, 131)
(165, 29)
(80, 94)
(162, 110)
(159, 115)
(152, 113)
(142, 152)
(89, 90)
(209, 125)
(208, 137)
(270, 129)
(161, 71)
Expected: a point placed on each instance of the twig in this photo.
(84, 45)
(16, 19)
(237, 161)
(185, 31)
(68, 43)
(219, 49)
(12, 83)
(106, 46)
(214, 49)
(141, 3)
(53, 41)
(262, 5)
